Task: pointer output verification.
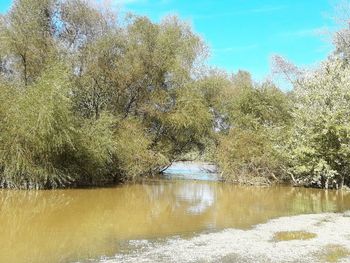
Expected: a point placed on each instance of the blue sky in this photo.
(244, 34)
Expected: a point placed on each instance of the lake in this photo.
(87, 225)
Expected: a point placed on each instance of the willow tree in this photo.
(250, 150)
(26, 34)
(319, 147)
(145, 72)
(88, 100)
(37, 134)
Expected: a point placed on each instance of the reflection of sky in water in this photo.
(199, 196)
(76, 224)
(194, 197)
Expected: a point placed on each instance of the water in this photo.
(78, 225)
(192, 171)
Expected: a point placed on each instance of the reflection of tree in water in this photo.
(246, 206)
(62, 225)
(22, 213)
(316, 201)
(224, 205)
(26, 207)
(72, 224)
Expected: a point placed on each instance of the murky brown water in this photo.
(77, 225)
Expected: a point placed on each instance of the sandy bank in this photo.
(255, 245)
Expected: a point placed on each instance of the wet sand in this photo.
(255, 245)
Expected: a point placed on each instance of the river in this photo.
(87, 225)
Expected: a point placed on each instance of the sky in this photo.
(244, 34)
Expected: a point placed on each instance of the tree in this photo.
(109, 102)
(38, 133)
(319, 146)
(26, 35)
(251, 151)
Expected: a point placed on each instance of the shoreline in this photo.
(331, 230)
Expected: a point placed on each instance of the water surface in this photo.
(77, 225)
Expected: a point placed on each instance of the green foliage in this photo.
(85, 101)
(134, 155)
(319, 144)
(26, 38)
(247, 157)
(264, 105)
(111, 150)
(37, 130)
(251, 150)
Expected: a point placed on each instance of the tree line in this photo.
(89, 99)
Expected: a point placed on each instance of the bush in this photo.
(252, 151)
(248, 157)
(319, 153)
(37, 131)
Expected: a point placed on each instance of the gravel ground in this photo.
(254, 245)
